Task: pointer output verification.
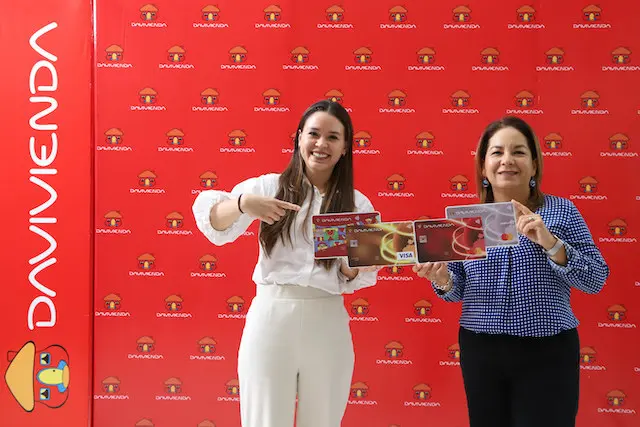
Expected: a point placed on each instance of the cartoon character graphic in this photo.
(331, 233)
(329, 237)
(38, 376)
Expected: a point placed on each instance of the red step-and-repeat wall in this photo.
(191, 96)
(46, 252)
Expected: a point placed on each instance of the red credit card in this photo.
(459, 239)
(330, 230)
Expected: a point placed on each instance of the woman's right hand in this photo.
(434, 271)
(266, 209)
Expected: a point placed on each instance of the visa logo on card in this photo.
(405, 255)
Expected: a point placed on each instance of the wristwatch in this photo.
(554, 250)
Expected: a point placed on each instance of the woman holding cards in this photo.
(296, 339)
(518, 338)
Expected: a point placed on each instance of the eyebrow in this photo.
(517, 146)
(332, 132)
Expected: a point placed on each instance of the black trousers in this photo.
(520, 381)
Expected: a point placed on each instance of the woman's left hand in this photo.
(532, 227)
(352, 272)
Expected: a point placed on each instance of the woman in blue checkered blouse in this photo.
(518, 338)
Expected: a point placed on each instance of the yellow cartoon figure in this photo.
(38, 376)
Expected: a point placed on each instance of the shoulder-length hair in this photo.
(536, 197)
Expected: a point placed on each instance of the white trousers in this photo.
(295, 340)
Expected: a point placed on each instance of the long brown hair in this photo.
(293, 186)
(536, 196)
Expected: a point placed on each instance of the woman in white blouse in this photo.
(296, 340)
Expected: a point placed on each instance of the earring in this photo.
(532, 183)
(485, 182)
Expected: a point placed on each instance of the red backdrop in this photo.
(191, 96)
(226, 86)
(46, 186)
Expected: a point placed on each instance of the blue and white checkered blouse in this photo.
(520, 291)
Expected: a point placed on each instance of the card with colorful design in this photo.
(449, 240)
(386, 243)
(330, 230)
(498, 219)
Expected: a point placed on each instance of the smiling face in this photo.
(508, 164)
(321, 142)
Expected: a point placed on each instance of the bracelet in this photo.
(239, 208)
(555, 248)
(447, 286)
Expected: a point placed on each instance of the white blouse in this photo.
(287, 264)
